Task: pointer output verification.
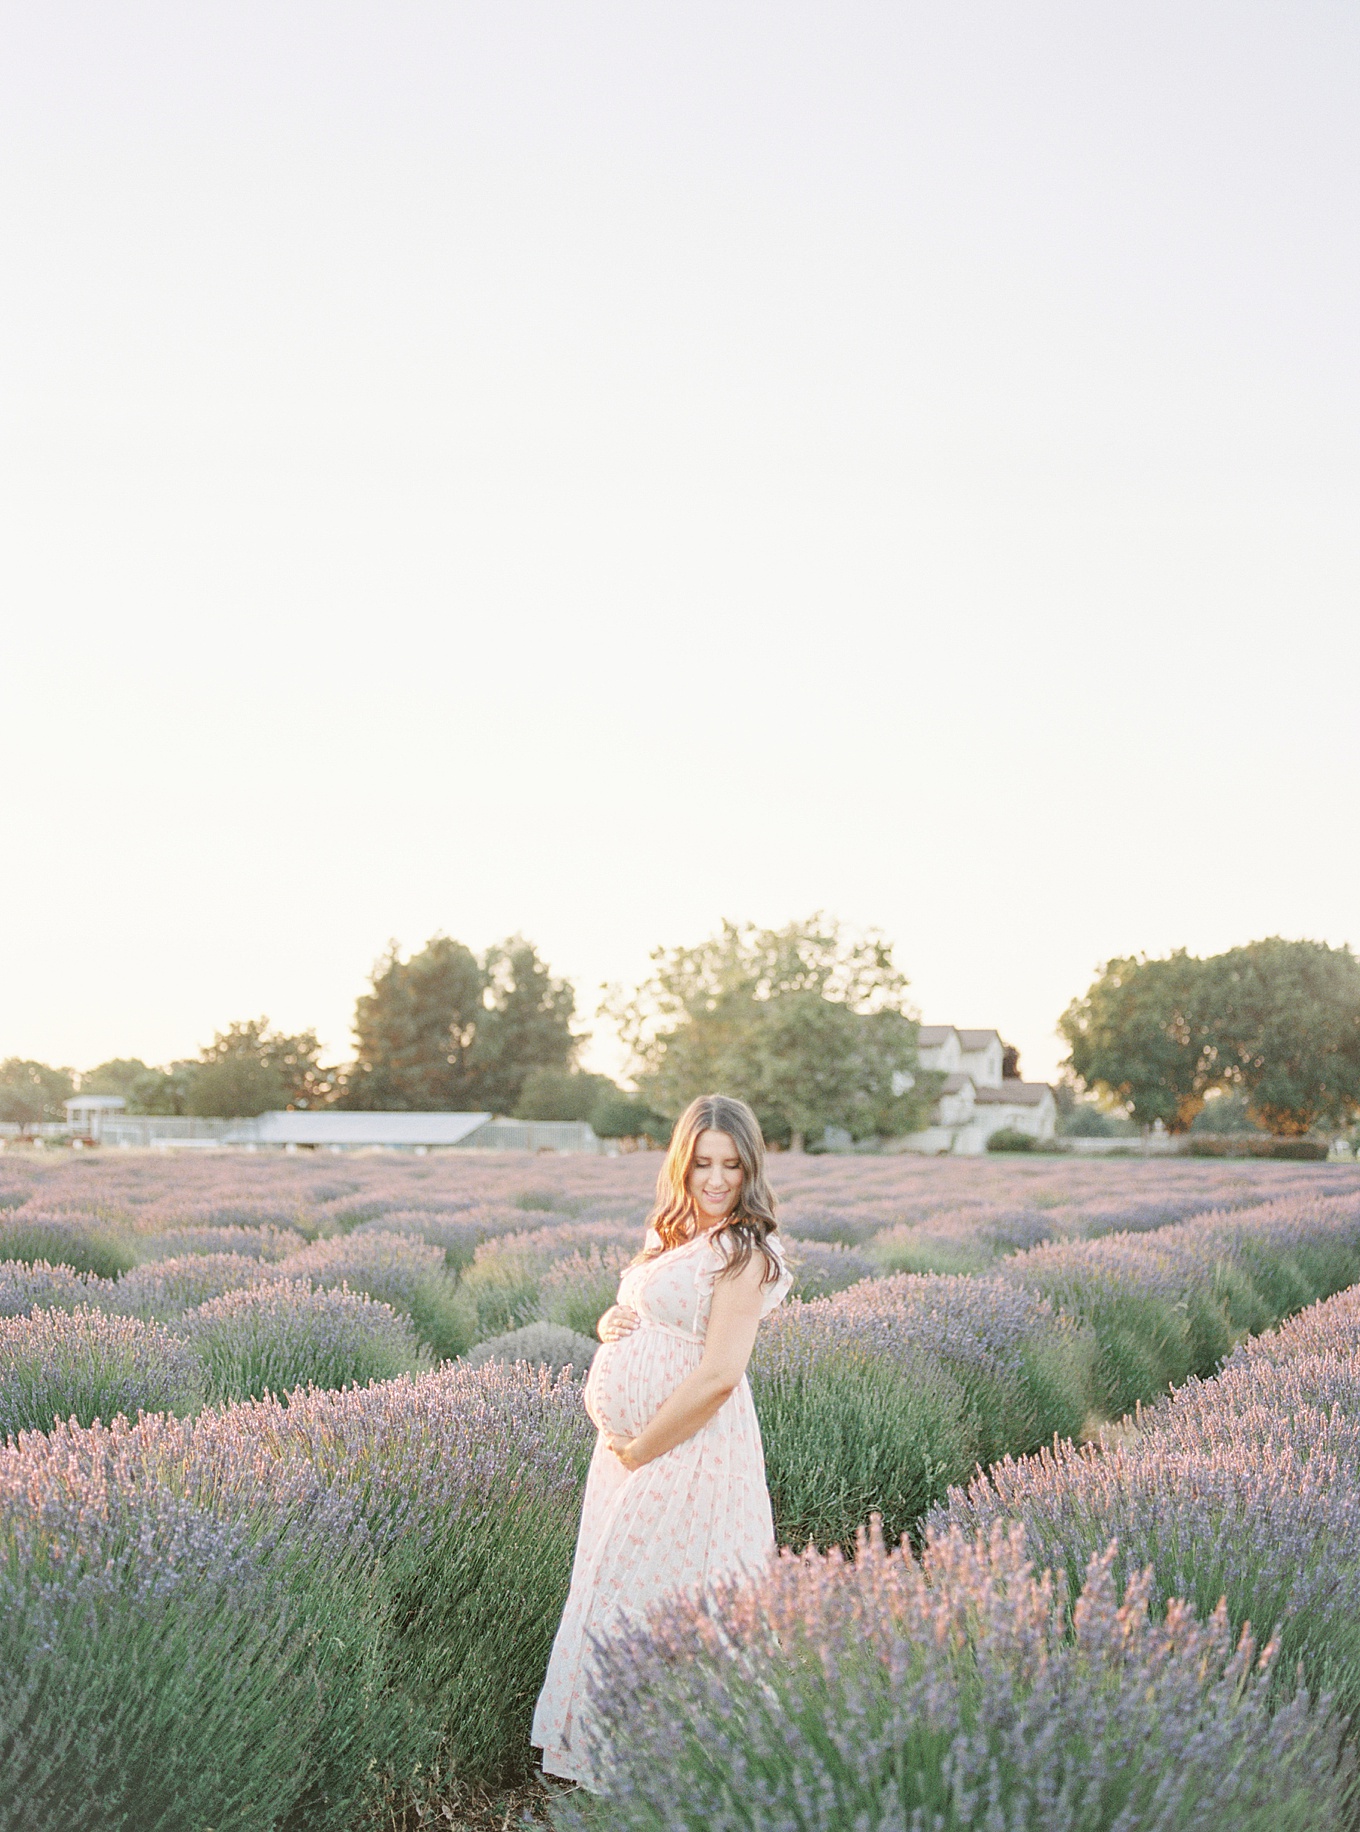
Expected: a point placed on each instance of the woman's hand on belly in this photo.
(618, 1321)
(623, 1450)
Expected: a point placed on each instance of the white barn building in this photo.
(977, 1098)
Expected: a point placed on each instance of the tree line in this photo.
(1268, 1033)
(809, 1023)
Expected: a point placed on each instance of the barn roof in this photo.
(331, 1128)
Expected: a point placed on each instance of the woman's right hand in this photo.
(617, 1321)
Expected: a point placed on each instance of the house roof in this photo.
(978, 1039)
(954, 1083)
(278, 1128)
(1016, 1094)
(929, 1036)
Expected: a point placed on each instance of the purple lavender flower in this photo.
(83, 1365)
(954, 1694)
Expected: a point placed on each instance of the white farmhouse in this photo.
(978, 1098)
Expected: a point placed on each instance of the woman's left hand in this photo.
(623, 1450)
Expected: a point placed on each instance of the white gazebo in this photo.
(86, 1113)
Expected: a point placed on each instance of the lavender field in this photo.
(295, 1450)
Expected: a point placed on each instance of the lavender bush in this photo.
(951, 1695)
(185, 1645)
(24, 1286)
(1025, 1369)
(457, 1234)
(504, 1282)
(464, 1486)
(64, 1240)
(1169, 1304)
(850, 1428)
(1245, 1487)
(83, 1365)
(577, 1290)
(544, 1345)
(407, 1274)
(821, 1268)
(275, 1338)
(166, 1288)
(262, 1243)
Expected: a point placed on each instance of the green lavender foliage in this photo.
(847, 1432)
(80, 1242)
(948, 1696)
(277, 1337)
(83, 1365)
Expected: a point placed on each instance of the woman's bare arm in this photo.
(732, 1324)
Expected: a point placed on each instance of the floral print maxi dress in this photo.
(683, 1522)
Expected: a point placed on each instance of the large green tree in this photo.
(1277, 1021)
(32, 1093)
(249, 1068)
(808, 1023)
(444, 1030)
(117, 1076)
(1286, 1022)
(414, 1031)
(1140, 1038)
(525, 1025)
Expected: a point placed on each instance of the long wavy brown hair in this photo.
(752, 1221)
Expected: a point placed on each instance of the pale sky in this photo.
(592, 470)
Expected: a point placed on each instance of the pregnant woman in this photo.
(676, 1498)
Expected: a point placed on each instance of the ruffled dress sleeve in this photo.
(775, 1292)
(709, 1263)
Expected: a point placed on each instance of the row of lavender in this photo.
(1126, 1687)
(106, 1212)
(267, 1615)
(877, 1400)
(231, 1301)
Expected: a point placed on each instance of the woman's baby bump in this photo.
(632, 1378)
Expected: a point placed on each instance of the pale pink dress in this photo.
(683, 1522)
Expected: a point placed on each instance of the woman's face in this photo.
(714, 1177)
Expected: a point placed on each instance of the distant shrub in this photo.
(24, 1287)
(544, 1345)
(81, 1364)
(821, 1268)
(175, 1215)
(576, 1291)
(951, 1695)
(807, 1221)
(502, 1284)
(64, 1240)
(532, 1200)
(264, 1243)
(275, 1338)
(1257, 1145)
(1010, 1138)
(923, 1249)
(166, 1288)
(408, 1274)
(347, 1212)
